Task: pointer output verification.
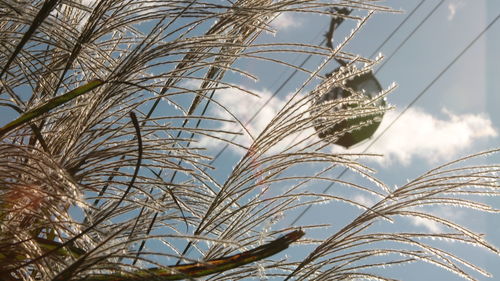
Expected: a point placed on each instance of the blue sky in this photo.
(456, 116)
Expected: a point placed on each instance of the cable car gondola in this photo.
(364, 126)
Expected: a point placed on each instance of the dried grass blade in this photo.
(44, 12)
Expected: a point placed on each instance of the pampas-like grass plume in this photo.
(103, 175)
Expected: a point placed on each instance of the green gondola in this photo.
(364, 126)
(351, 131)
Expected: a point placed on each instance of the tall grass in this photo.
(103, 175)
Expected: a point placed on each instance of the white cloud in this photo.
(418, 134)
(444, 212)
(364, 200)
(285, 21)
(243, 105)
(453, 7)
(432, 226)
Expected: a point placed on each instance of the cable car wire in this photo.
(396, 29)
(408, 107)
(172, 178)
(284, 83)
(276, 92)
(408, 37)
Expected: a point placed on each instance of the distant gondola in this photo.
(369, 86)
(365, 83)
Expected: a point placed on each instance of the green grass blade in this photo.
(49, 105)
(200, 269)
(45, 245)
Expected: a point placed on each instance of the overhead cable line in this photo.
(155, 216)
(284, 83)
(278, 90)
(408, 106)
(396, 29)
(408, 37)
(153, 220)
